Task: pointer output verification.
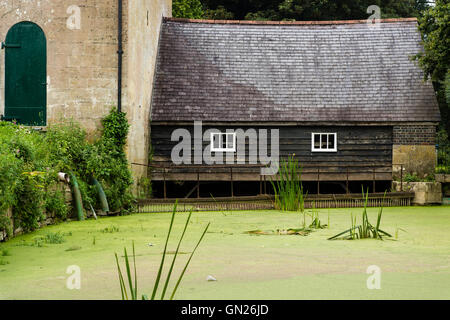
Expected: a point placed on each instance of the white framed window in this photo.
(324, 142)
(223, 142)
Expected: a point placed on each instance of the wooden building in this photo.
(345, 96)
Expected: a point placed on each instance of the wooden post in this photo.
(348, 191)
(260, 184)
(401, 178)
(232, 187)
(265, 185)
(165, 186)
(198, 183)
(374, 182)
(318, 180)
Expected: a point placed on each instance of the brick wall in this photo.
(415, 135)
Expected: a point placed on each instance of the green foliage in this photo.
(447, 86)
(441, 169)
(412, 177)
(115, 129)
(289, 195)
(434, 26)
(30, 162)
(51, 238)
(315, 9)
(132, 292)
(220, 13)
(55, 204)
(315, 219)
(144, 187)
(443, 152)
(111, 229)
(191, 9)
(104, 159)
(3, 262)
(5, 253)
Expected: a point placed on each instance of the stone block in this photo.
(426, 193)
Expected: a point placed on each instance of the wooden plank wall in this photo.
(361, 149)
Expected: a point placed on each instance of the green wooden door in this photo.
(26, 74)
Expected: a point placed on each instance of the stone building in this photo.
(67, 50)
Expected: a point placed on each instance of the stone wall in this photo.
(144, 25)
(81, 62)
(426, 193)
(415, 149)
(49, 218)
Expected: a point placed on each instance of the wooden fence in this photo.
(266, 202)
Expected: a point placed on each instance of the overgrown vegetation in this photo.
(435, 59)
(191, 9)
(289, 195)
(30, 162)
(366, 230)
(443, 153)
(316, 223)
(309, 9)
(132, 292)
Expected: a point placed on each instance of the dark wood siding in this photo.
(360, 148)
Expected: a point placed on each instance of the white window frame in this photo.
(228, 135)
(320, 149)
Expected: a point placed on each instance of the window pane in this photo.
(324, 141)
(216, 141)
(230, 138)
(331, 142)
(223, 141)
(317, 141)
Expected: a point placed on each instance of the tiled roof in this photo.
(298, 71)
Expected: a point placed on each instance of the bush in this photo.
(55, 204)
(30, 162)
(191, 9)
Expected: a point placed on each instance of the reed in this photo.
(366, 230)
(132, 292)
(289, 193)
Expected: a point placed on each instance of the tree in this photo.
(316, 9)
(434, 25)
(191, 9)
(219, 14)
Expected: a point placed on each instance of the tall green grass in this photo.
(289, 193)
(366, 230)
(131, 274)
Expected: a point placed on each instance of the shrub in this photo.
(30, 161)
(55, 203)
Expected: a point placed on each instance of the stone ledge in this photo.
(426, 193)
(443, 178)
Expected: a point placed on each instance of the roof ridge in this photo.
(254, 22)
